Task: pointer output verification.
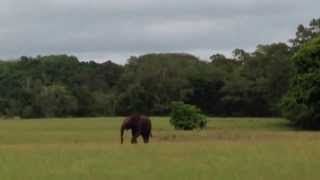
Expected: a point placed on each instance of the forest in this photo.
(246, 84)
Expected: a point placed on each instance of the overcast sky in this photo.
(116, 29)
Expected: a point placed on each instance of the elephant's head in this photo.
(124, 126)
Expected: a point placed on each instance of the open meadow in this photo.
(90, 149)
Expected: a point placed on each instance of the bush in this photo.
(186, 116)
(302, 103)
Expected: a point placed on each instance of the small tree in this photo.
(186, 116)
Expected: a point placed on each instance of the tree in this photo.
(269, 71)
(217, 57)
(305, 34)
(207, 88)
(103, 104)
(150, 82)
(240, 54)
(302, 103)
(56, 101)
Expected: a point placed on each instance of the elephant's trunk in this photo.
(121, 135)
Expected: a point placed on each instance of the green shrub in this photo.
(186, 116)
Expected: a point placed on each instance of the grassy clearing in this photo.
(88, 148)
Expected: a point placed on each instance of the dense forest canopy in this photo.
(248, 84)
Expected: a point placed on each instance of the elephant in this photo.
(139, 125)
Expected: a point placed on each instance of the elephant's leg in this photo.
(135, 135)
(134, 140)
(146, 135)
(145, 138)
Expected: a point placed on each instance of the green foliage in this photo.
(302, 104)
(187, 117)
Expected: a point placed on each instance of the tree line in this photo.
(247, 84)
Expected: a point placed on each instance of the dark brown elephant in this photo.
(139, 125)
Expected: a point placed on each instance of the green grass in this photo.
(89, 149)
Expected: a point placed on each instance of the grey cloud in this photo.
(96, 28)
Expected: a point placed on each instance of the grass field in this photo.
(89, 149)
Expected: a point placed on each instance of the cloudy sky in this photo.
(117, 29)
